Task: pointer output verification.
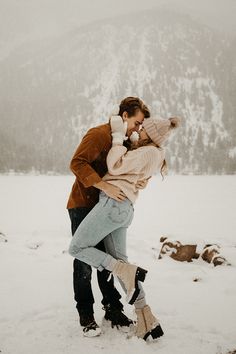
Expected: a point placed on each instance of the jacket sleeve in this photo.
(92, 144)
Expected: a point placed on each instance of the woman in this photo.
(110, 218)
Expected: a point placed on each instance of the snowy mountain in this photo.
(53, 90)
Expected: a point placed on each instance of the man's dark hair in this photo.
(132, 105)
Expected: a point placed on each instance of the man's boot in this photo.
(117, 318)
(90, 327)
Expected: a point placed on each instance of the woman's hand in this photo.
(134, 137)
(114, 192)
(111, 190)
(142, 184)
(118, 130)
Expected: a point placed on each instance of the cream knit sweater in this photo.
(126, 168)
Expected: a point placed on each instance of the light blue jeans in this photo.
(107, 221)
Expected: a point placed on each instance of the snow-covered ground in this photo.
(37, 312)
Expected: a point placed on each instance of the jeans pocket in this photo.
(119, 212)
(103, 198)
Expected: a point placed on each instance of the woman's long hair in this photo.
(146, 142)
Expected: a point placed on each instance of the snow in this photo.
(38, 313)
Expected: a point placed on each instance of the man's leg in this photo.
(115, 245)
(111, 296)
(82, 272)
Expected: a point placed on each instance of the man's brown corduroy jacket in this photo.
(89, 166)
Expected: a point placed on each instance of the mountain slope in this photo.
(52, 91)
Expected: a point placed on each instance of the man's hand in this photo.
(111, 190)
(142, 184)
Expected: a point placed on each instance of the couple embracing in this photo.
(112, 163)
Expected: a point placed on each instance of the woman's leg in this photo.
(107, 216)
(115, 244)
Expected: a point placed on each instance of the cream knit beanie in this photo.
(159, 129)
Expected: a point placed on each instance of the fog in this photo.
(51, 17)
(64, 63)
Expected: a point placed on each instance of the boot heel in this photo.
(147, 335)
(157, 332)
(141, 274)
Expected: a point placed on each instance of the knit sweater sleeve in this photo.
(120, 161)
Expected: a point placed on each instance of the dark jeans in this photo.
(83, 294)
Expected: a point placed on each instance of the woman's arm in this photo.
(120, 161)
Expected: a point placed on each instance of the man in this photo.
(89, 166)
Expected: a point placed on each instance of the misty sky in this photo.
(34, 18)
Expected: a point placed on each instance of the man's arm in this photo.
(91, 146)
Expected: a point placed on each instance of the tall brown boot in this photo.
(129, 274)
(147, 324)
(141, 328)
